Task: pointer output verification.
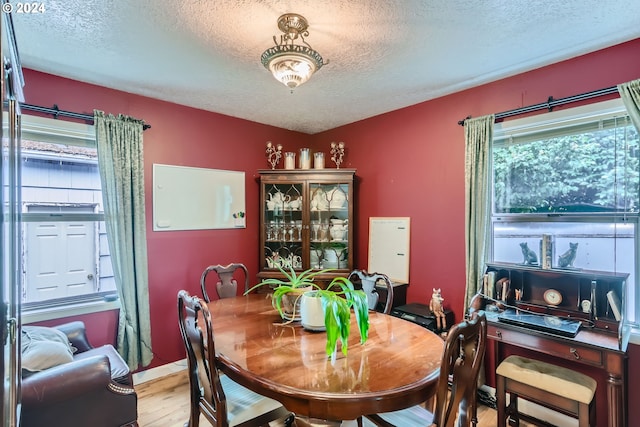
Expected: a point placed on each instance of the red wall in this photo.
(409, 162)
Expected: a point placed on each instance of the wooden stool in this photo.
(554, 387)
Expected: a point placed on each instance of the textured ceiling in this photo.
(383, 54)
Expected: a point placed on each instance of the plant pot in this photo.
(311, 312)
(291, 303)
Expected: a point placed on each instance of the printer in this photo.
(420, 314)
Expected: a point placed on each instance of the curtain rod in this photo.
(551, 103)
(56, 112)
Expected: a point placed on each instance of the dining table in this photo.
(397, 367)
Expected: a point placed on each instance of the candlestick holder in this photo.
(274, 153)
(337, 152)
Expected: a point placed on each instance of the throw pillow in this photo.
(43, 348)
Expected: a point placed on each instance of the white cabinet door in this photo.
(60, 259)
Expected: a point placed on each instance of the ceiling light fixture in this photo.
(292, 64)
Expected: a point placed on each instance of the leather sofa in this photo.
(94, 389)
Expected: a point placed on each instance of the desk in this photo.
(398, 366)
(594, 349)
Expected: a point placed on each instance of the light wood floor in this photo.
(165, 403)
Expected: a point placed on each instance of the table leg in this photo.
(615, 399)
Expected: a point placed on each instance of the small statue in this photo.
(435, 305)
(518, 294)
(530, 257)
(566, 259)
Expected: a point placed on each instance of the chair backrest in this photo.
(227, 286)
(207, 395)
(461, 362)
(367, 282)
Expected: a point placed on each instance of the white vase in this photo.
(311, 312)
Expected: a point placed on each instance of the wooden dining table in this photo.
(396, 368)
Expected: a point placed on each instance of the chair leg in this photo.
(194, 421)
(501, 401)
(288, 422)
(583, 415)
(513, 410)
(359, 421)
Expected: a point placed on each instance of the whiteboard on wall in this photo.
(389, 241)
(187, 198)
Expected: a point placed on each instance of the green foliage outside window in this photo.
(595, 171)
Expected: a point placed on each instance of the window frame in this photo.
(36, 128)
(546, 123)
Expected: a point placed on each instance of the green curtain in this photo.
(630, 94)
(120, 160)
(478, 134)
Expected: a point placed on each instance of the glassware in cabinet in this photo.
(306, 220)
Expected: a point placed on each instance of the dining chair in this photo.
(368, 282)
(461, 362)
(223, 402)
(227, 286)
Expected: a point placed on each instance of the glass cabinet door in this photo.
(283, 225)
(306, 221)
(329, 225)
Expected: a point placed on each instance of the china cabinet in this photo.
(306, 221)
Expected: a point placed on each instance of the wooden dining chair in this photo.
(227, 286)
(223, 402)
(367, 282)
(461, 362)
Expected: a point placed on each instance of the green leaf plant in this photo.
(338, 298)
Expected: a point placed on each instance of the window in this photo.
(65, 252)
(572, 175)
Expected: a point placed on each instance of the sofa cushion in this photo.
(120, 372)
(43, 348)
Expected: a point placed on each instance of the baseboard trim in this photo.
(159, 371)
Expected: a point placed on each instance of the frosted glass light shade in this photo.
(292, 70)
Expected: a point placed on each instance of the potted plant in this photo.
(288, 290)
(337, 299)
